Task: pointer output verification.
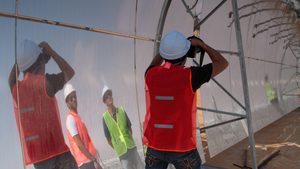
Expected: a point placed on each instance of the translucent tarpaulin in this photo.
(263, 58)
(120, 62)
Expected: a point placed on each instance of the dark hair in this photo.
(35, 64)
(105, 95)
(67, 98)
(189, 54)
(194, 49)
(41, 58)
(176, 60)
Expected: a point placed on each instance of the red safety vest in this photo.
(85, 138)
(39, 128)
(170, 122)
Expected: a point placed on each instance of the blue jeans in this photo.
(89, 165)
(62, 161)
(160, 159)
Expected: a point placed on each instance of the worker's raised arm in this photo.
(157, 60)
(66, 69)
(219, 63)
(13, 76)
(85, 151)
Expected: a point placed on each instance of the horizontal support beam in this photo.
(252, 58)
(221, 112)
(69, 25)
(209, 14)
(230, 95)
(202, 130)
(227, 92)
(295, 95)
(228, 52)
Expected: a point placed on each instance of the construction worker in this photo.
(35, 106)
(81, 145)
(170, 121)
(118, 132)
(269, 91)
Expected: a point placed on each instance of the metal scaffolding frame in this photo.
(240, 53)
(197, 24)
(160, 26)
(288, 33)
(245, 81)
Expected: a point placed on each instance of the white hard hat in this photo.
(29, 51)
(68, 89)
(174, 45)
(105, 89)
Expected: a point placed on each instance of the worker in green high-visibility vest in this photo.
(270, 91)
(118, 132)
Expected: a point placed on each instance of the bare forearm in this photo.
(110, 143)
(12, 79)
(62, 64)
(82, 148)
(86, 153)
(130, 130)
(214, 55)
(218, 61)
(157, 60)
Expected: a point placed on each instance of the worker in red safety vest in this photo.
(36, 112)
(81, 144)
(170, 121)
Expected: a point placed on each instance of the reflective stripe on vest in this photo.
(31, 138)
(164, 97)
(120, 136)
(27, 109)
(163, 126)
(170, 121)
(85, 138)
(40, 128)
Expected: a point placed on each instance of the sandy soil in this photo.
(282, 135)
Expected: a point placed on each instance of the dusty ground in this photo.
(283, 135)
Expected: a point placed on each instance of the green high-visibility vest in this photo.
(120, 136)
(270, 92)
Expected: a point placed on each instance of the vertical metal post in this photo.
(160, 25)
(244, 80)
(17, 84)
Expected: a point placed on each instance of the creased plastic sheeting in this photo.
(115, 15)
(98, 60)
(9, 142)
(223, 37)
(7, 6)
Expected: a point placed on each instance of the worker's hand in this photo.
(45, 46)
(47, 50)
(17, 67)
(97, 165)
(197, 44)
(195, 41)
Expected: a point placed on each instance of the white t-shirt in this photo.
(71, 125)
